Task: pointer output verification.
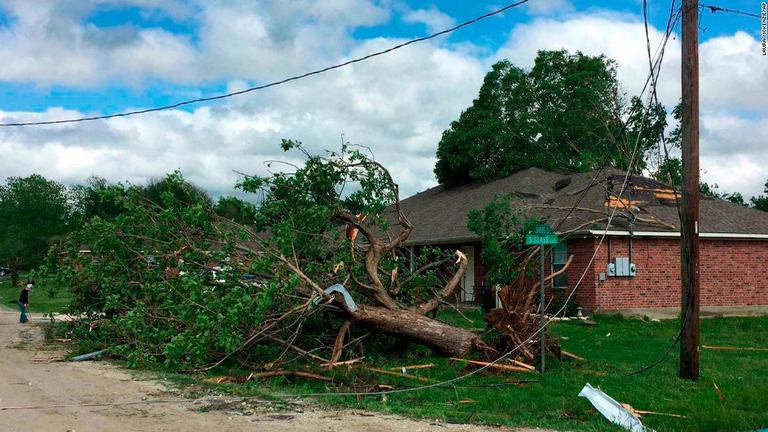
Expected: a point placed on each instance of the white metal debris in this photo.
(612, 410)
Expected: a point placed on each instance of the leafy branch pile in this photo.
(178, 286)
(514, 327)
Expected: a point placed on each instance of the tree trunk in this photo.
(447, 339)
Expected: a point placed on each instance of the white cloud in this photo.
(398, 104)
(618, 37)
(397, 107)
(733, 151)
(51, 42)
(432, 18)
(733, 73)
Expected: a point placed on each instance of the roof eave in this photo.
(751, 236)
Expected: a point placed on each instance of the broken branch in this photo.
(292, 373)
(506, 368)
(572, 355)
(386, 372)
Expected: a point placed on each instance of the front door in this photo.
(468, 281)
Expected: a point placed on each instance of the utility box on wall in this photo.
(621, 267)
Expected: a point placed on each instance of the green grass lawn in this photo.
(613, 348)
(45, 298)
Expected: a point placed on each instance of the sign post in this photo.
(542, 235)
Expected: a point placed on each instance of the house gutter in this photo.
(441, 241)
(600, 233)
(736, 236)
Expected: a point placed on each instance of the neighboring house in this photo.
(631, 264)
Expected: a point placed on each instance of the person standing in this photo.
(24, 302)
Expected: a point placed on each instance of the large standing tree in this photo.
(33, 212)
(236, 210)
(97, 198)
(160, 191)
(760, 202)
(567, 113)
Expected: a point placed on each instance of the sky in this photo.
(68, 59)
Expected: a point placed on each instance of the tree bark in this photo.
(447, 339)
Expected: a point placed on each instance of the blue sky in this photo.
(488, 35)
(73, 58)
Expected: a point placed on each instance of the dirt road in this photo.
(38, 392)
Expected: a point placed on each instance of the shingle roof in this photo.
(439, 215)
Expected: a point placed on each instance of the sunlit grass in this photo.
(45, 298)
(614, 348)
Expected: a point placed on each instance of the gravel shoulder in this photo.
(40, 392)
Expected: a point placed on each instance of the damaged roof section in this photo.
(580, 202)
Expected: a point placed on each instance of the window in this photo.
(559, 257)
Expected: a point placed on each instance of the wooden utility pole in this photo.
(689, 223)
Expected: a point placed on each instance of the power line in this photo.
(652, 80)
(673, 17)
(714, 9)
(275, 83)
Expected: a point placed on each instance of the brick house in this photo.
(625, 244)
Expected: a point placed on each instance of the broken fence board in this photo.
(386, 372)
(290, 373)
(422, 366)
(572, 355)
(494, 365)
(523, 365)
(341, 363)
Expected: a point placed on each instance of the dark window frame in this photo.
(559, 256)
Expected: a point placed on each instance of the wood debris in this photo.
(285, 373)
(496, 366)
(422, 366)
(342, 363)
(719, 393)
(731, 348)
(518, 321)
(522, 365)
(639, 413)
(572, 355)
(414, 377)
(270, 374)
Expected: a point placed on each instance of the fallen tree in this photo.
(191, 290)
(319, 275)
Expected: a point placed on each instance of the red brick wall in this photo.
(657, 282)
(586, 295)
(732, 273)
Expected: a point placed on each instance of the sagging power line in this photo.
(714, 9)
(274, 83)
